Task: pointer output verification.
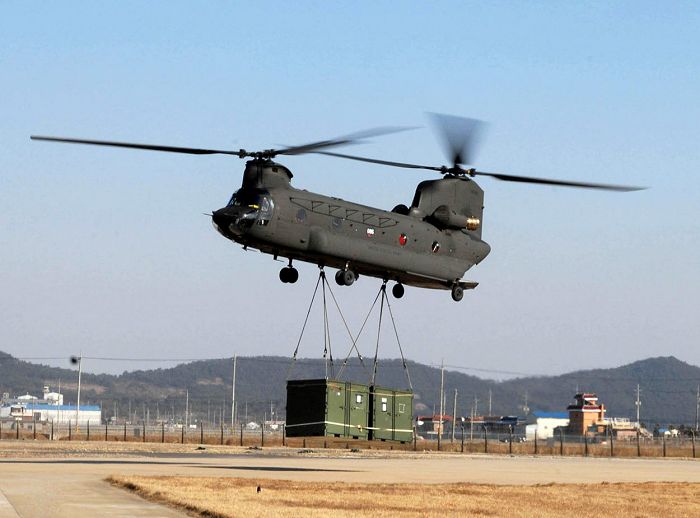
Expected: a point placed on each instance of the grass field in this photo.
(228, 497)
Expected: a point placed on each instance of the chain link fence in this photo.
(464, 441)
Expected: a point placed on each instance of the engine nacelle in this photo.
(446, 217)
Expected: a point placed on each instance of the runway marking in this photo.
(7, 510)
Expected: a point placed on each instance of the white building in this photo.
(545, 424)
(51, 408)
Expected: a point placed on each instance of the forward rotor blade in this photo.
(560, 183)
(377, 161)
(352, 138)
(170, 149)
(460, 136)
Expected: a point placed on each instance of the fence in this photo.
(466, 442)
(562, 444)
(161, 433)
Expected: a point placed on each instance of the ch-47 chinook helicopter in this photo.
(430, 244)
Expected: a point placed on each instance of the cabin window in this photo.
(384, 406)
(402, 408)
(358, 398)
(266, 208)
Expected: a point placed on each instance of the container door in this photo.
(382, 414)
(335, 409)
(403, 417)
(358, 406)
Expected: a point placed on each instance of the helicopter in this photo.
(429, 244)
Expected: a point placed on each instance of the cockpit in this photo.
(252, 207)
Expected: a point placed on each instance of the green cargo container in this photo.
(391, 414)
(321, 407)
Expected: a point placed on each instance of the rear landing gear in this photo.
(457, 292)
(345, 277)
(398, 290)
(289, 274)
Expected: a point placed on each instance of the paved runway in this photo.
(40, 486)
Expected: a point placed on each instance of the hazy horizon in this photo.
(152, 364)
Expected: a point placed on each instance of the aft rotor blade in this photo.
(352, 138)
(460, 136)
(170, 149)
(560, 183)
(377, 161)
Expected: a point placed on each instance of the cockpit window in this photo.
(255, 205)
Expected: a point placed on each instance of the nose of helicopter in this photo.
(222, 220)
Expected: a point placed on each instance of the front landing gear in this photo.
(457, 292)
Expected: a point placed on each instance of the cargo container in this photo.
(320, 407)
(391, 414)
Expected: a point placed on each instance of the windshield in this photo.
(256, 205)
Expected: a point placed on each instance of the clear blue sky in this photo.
(107, 251)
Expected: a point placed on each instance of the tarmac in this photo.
(73, 485)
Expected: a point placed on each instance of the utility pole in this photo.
(490, 402)
(77, 407)
(471, 426)
(454, 416)
(187, 405)
(476, 405)
(442, 392)
(697, 409)
(637, 403)
(60, 400)
(233, 394)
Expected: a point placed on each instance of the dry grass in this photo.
(228, 497)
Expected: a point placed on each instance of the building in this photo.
(495, 424)
(586, 415)
(30, 408)
(545, 423)
(623, 428)
(429, 426)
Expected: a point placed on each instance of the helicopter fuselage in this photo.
(270, 215)
(430, 244)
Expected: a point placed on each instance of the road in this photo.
(69, 485)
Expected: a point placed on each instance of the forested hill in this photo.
(668, 387)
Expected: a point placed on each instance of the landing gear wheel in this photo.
(457, 292)
(398, 290)
(348, 277)
(345, 277)
(289, 274)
